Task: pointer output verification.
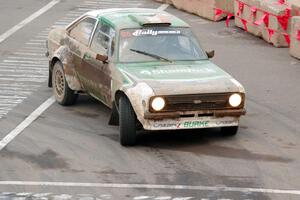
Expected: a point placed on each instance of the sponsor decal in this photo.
(166, 125)
(203, 123)
(172, 125)
(151, 32)
(175, 71)
(195, 124)
(177, 125)
(126, 34)
(221, 123)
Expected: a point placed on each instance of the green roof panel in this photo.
(138, 17)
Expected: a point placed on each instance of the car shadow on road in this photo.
(177, 138)
(207, 142)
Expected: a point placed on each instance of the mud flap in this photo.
(114, 117)
(50, 79)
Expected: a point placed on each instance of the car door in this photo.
(78, 39)
(96, 61)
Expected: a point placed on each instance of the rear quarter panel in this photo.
(58, 48)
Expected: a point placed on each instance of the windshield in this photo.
(159, 43)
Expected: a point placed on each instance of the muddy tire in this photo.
(63, 94)
(127, 122)
(229, 131)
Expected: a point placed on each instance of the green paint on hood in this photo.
(199, 70)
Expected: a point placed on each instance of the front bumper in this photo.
(190, 123)
(192, 120)
(176, 115)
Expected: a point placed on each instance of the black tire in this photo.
(229, 131)
(63, 94)
(127, 122)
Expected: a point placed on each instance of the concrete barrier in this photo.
(295, 37)
(245, 16)
(204, 8)
(274, 33)
(267, 19)
(295, 5)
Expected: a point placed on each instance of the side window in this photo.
(102, 42)
(105, 28)
(83, 30)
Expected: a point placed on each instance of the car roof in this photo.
(136, 18)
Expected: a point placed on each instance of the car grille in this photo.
(197, 102)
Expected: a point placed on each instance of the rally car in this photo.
(148, 67)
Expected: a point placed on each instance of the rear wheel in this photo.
(127, 122)
(229, 131)
(63, 94)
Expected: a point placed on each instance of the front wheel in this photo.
(229, 131)
(63, 94)
(127, 122)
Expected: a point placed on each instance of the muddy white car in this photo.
(148, 67)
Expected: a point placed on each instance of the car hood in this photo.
(181, 77)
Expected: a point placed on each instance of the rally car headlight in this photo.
(158, 103)
(235, 100)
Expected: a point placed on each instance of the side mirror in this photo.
(210, 54)
(102, 58)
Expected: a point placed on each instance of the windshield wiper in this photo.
(151, 55)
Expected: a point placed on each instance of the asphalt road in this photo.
(72, 153)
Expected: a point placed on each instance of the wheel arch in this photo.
(118, 95)
(51, 65)
(65, 57)
(53, 61)
(114, 118)
(138, 95)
